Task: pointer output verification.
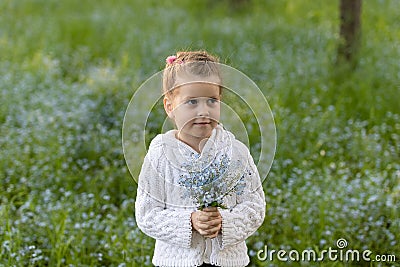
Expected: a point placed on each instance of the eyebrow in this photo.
(190, 97)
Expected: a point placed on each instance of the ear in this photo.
(168, 107)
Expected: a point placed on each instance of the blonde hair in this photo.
(198, 63)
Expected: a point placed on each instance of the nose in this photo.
(203, 109)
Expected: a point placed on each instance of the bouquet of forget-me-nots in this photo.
(208, 184)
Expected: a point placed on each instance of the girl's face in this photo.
(195, 109)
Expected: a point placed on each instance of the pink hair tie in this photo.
(171, 59)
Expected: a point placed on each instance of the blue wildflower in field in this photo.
(208, 185)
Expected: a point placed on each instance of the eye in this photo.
(192, 102)
(213, 100)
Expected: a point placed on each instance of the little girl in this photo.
(199, 193)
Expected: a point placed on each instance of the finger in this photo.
(208, 216)
(202, 226)
(211, 229)
(212, 233)
(208, 209)
(206, 227)
(214, 230)
(207, 230)
(214, 222)
(205, 233)
(212, 212)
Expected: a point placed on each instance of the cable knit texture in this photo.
(163, 214)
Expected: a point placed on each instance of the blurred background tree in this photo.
(350, 31)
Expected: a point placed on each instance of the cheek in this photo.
(216, 113)
(183, 116)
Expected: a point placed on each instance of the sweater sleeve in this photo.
(241, 221)
(152, 217)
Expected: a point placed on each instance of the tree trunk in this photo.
(350, 30)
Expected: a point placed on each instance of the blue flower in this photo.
(208, 186)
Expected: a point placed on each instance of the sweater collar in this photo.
(220, 142)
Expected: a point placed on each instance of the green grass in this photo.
(69, 68)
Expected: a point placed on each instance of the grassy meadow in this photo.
(69, 68)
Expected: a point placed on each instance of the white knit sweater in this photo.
(164, 214)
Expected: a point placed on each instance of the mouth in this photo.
(202, 123)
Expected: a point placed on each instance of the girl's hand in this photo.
(207, 222)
